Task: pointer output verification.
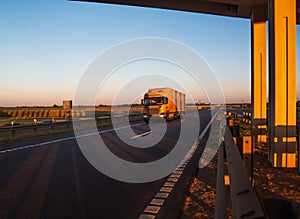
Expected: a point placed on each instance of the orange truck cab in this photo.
(165, 103)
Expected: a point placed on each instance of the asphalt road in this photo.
(50, 178)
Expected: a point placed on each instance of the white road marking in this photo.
(140, 135)
(181, 166)
(64, 139)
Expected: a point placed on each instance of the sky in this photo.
(47, 45)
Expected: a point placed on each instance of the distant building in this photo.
(67, 104)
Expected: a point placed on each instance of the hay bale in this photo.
(20, 113)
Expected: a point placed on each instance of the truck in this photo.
(164, 103)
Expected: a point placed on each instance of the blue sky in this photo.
(46, 45)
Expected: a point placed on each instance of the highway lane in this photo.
(54, 180)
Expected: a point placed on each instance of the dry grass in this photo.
(200, 203)
(277, 183)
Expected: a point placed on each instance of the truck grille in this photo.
(154, 111)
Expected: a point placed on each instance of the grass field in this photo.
(34, 115)
(51, 130)
(30, 115)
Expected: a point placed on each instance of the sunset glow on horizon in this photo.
(46, 47)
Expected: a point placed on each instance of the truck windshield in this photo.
(153, 101)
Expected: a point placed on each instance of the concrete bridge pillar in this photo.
(282, 83)
(258, 74)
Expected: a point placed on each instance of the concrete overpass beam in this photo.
(282, 83)
(258, 74)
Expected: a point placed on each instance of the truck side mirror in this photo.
(142, 101)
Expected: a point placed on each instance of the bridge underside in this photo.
(280, 120)
(232, 8)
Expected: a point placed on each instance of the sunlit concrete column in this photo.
(282, 83)
(258, 74)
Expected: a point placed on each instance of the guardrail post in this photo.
(244, 145)
(236, 131)
(247, 154)
(231, 124)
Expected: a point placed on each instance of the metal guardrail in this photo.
(22, 128)
(244, 199)
(220, 210)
